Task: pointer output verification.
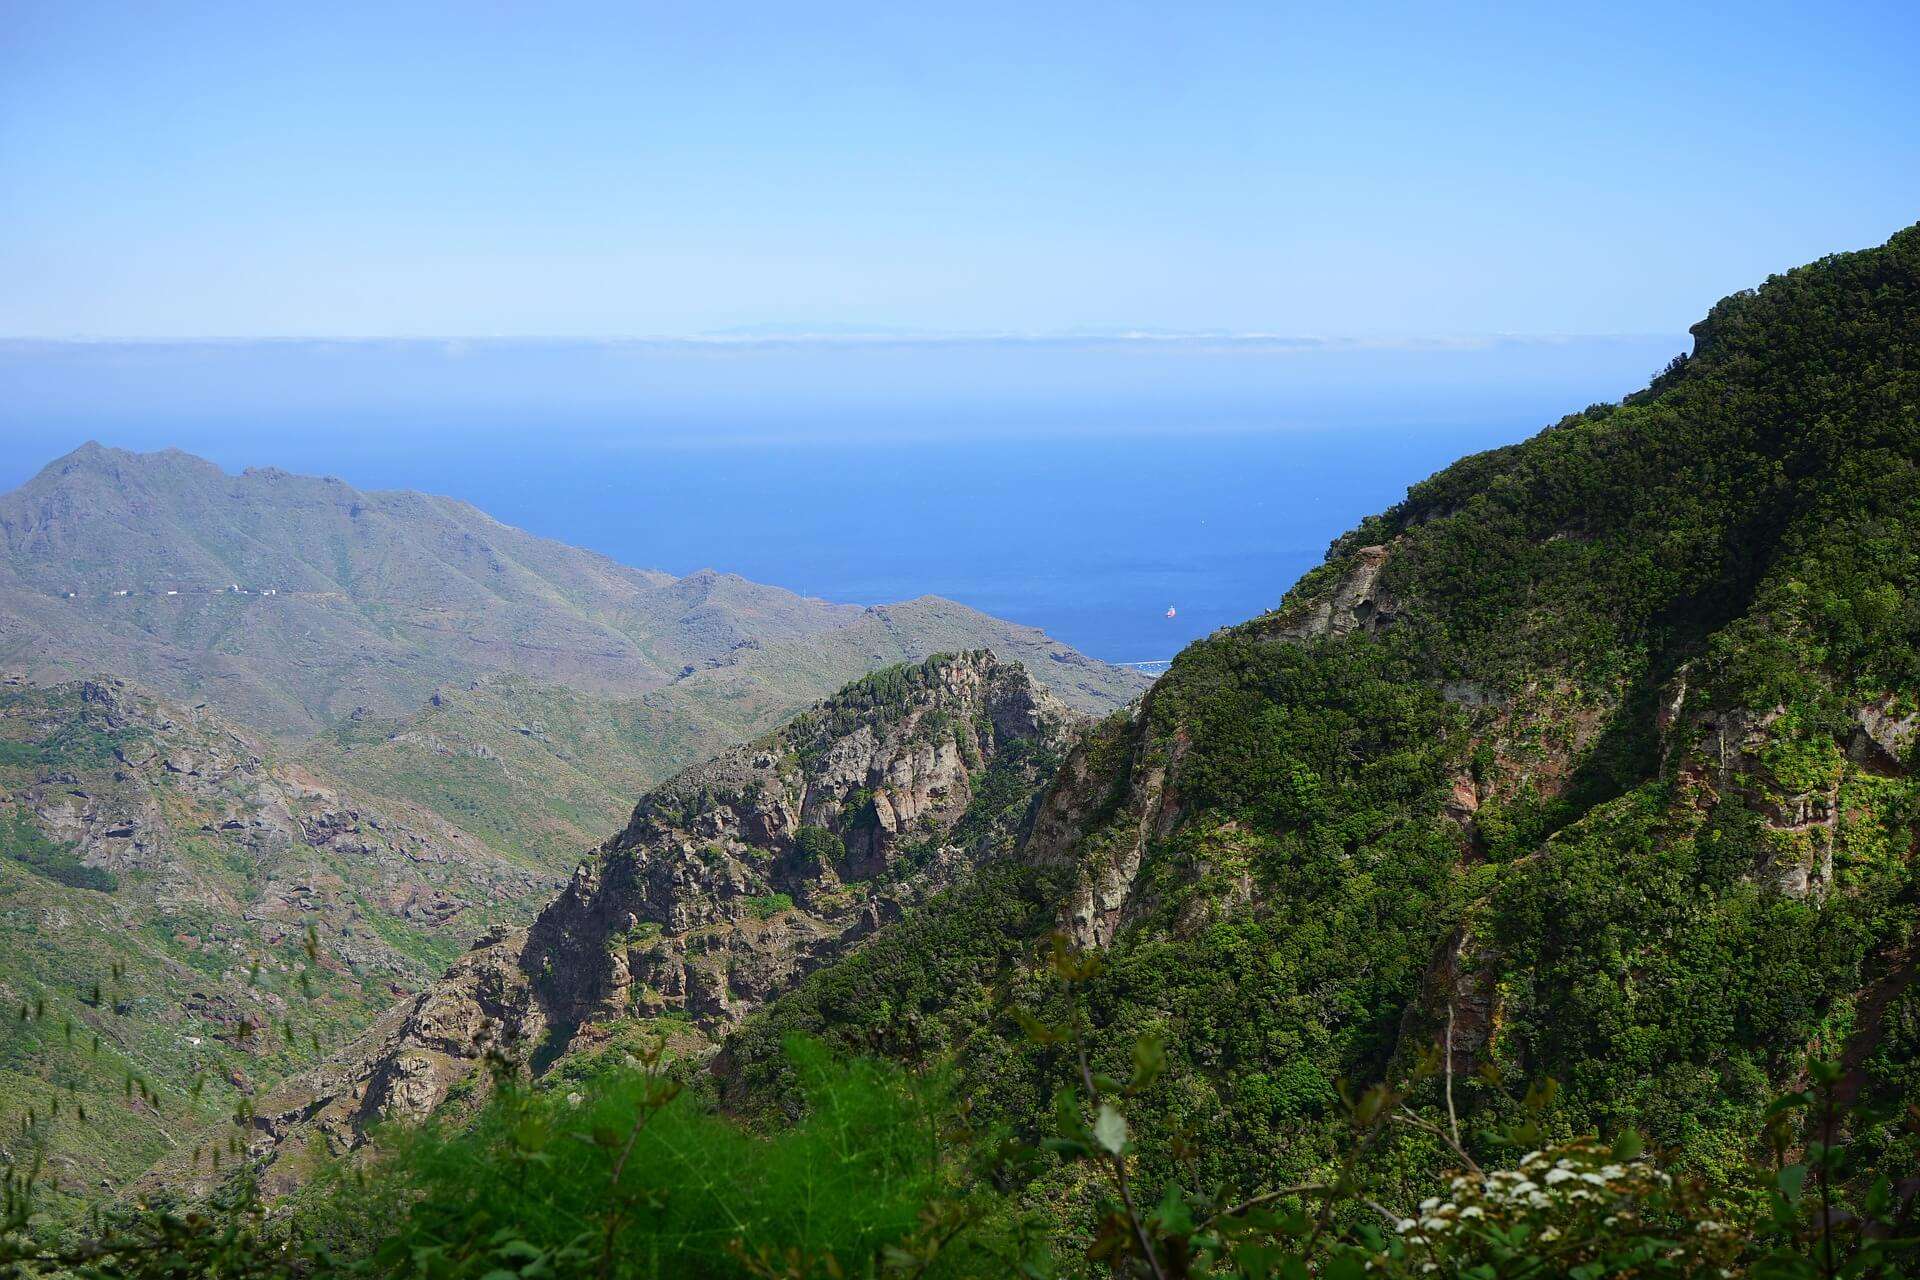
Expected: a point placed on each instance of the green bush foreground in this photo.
(631, 1175)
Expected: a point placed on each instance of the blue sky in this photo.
(641, 169)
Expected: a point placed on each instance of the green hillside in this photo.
(382, 715)
(545, 771)
(161, 877)
(1609, 741)
(1594, 758)
(289, 602)
(1532, 893)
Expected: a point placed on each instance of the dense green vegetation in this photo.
(1571, 629)
(623, 1173)
(911, 993)
(1533, 893)
(767, 906)
(819, 847)
(629, 1176)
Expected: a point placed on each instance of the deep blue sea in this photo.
(1085, 486)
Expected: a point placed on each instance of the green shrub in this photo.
(23, 842)
(818, 847)
(627, 1178)
(769, 906)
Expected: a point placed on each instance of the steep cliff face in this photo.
(742, 873)
(730, 882)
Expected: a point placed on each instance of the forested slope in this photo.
(1597, 750)
(1544, 849)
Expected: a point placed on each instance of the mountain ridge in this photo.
(166, 568)
(1577, 794)
(499, 696)
(730, 882)
(1595, 759)
(1550, 769)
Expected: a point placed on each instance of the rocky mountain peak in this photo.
(731, 881)
(740, 874)
(288, 600)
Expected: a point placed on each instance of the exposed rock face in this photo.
(405, 1065)
(199, 808)
(1100, 815)
(1883, 739)
(1791, 775)
(729, 883)
(739, 875)
(1460, 1003)
(1358, 602)
(171, 858)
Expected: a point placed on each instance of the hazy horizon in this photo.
(1080, 486)
(1072, 313)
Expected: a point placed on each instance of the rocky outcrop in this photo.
(741, 874)
(1882, 739)
(408, 1063)
(1105, 806)
(208, 909)
(1459, 1008)
(1789, 774)
(206, 819)
(729, 883)
(1357, 601)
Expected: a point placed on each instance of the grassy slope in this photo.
(150, 942)
(378, 598)
(543, 772)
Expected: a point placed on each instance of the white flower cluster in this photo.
(1544, 1190)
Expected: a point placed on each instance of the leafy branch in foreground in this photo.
(1854, 1219)
(626, 1176)
(1582, 1208)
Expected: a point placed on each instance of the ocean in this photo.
(1087, 486)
